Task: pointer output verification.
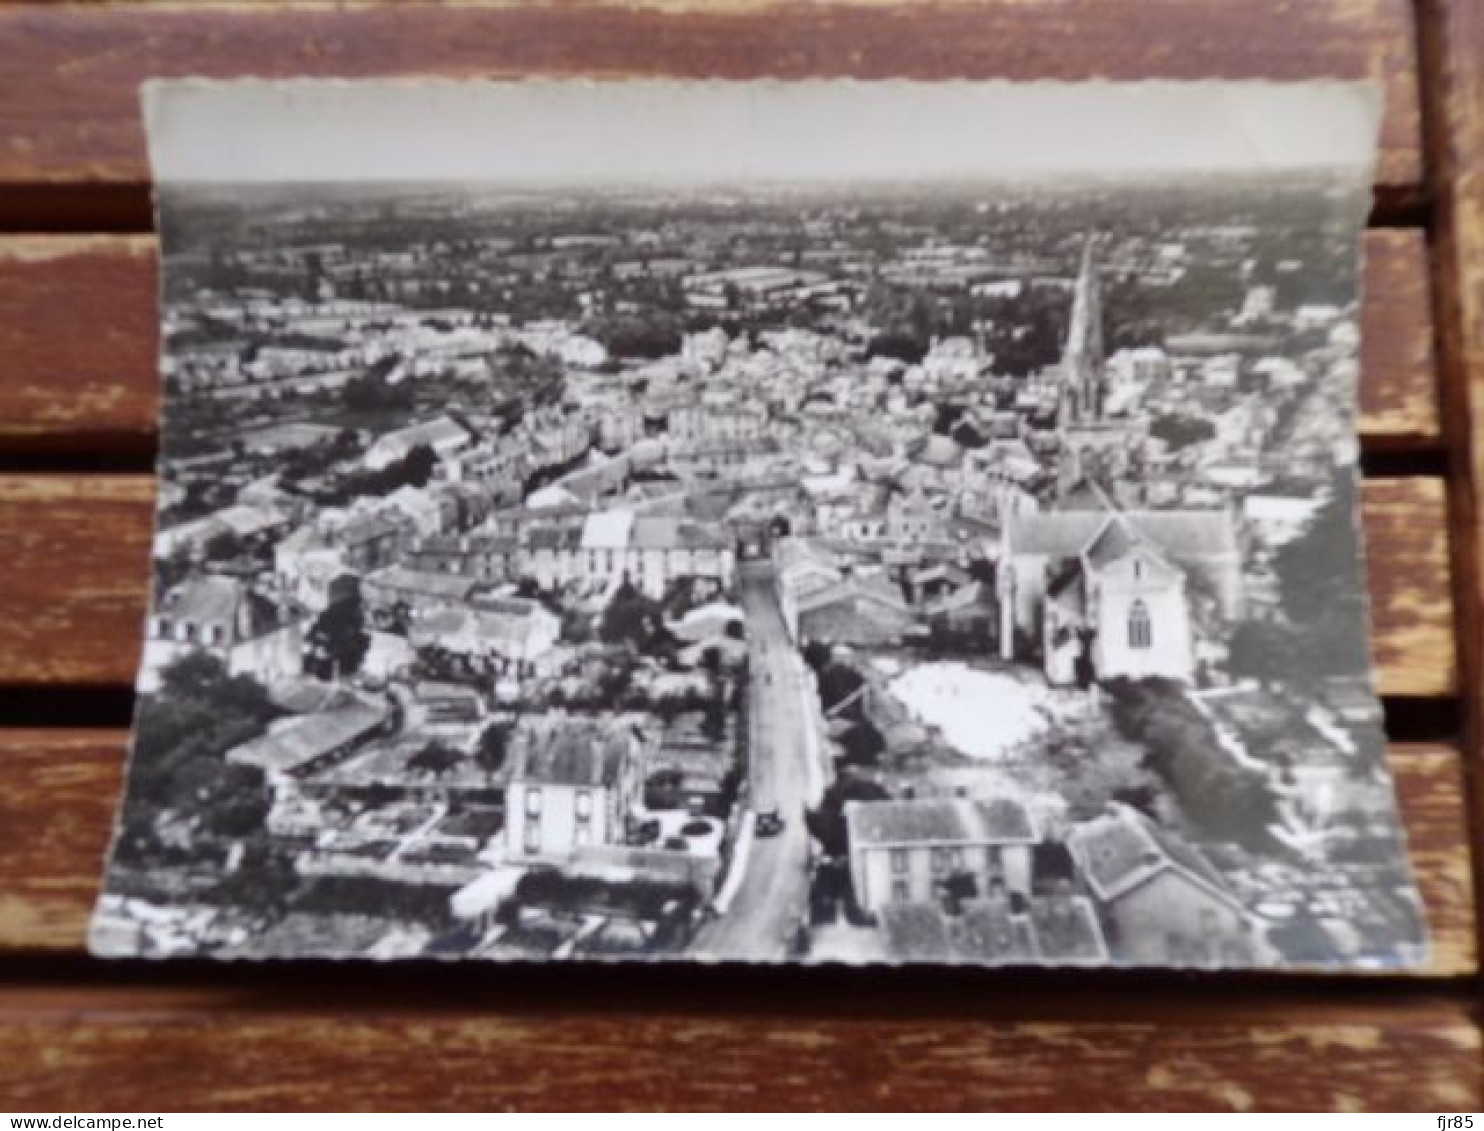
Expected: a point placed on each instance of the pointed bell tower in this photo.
(1082, 356)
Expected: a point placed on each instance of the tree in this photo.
(182, 733)
(374, 394)
(634, 619)
(414, 469)
(899, 345)
(826, 824)
(262, 884)
(1220, 798)
(714, 722)
(1267, 651)
(837, 683)
(435, 759)
(338, 641)
(493, 747)
(817, 655)
(1181, 431)
(225, 546)
(863, 744)
(1323, 590)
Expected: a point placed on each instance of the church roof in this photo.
(1179, 535)
(1117, 540)
(1085, 494)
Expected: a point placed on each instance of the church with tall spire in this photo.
(1092, 446)
(1083, 358)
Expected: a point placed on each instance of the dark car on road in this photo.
(769, 823)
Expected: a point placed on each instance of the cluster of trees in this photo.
(525, 377)
(1180, 431)
(412, 470)
(826, 823)
(1222, 800)
(655, 334)
(337, 641)
(373, 395)
(615, 689)
(837, 682)
(635, 619)
(436, 759)
(1323, 598)
(306, 463)
(179, 769)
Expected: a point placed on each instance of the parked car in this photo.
(769, 823)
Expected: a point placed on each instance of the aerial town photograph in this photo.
(769, 574)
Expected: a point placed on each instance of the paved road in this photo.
(773, 895)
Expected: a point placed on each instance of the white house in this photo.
(609, 547)
(507, 634)
(442, 434)
(902, 851)
(574, 782)
(223, 617)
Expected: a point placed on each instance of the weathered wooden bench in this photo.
(77, 419)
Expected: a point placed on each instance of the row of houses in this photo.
(960, 878)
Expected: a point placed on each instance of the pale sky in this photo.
(682, 132)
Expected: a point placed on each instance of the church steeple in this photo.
(1082, 356)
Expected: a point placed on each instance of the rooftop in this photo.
(294, 743)
(885, 824)
(571, 750)
(1123, 849)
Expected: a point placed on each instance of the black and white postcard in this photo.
(765, 522)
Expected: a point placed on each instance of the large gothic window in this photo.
(1140, 630)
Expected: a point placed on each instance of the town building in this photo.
(477, 554)
(1161, 901)
(574, 782)
(1114, 589)
(613, 546)
(905, 851)
(301, 743)
(494, 635)
(443, 435)
(251, 634)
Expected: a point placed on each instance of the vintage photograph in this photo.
(764, 522)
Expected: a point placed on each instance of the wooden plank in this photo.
(1398, 374)
(66, 380)
(1453, 40)
(67, 390)
(1406, 531)
(69, 113)
(1432, 789)
(230, 1049)
(73, 586)
(56, 815)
